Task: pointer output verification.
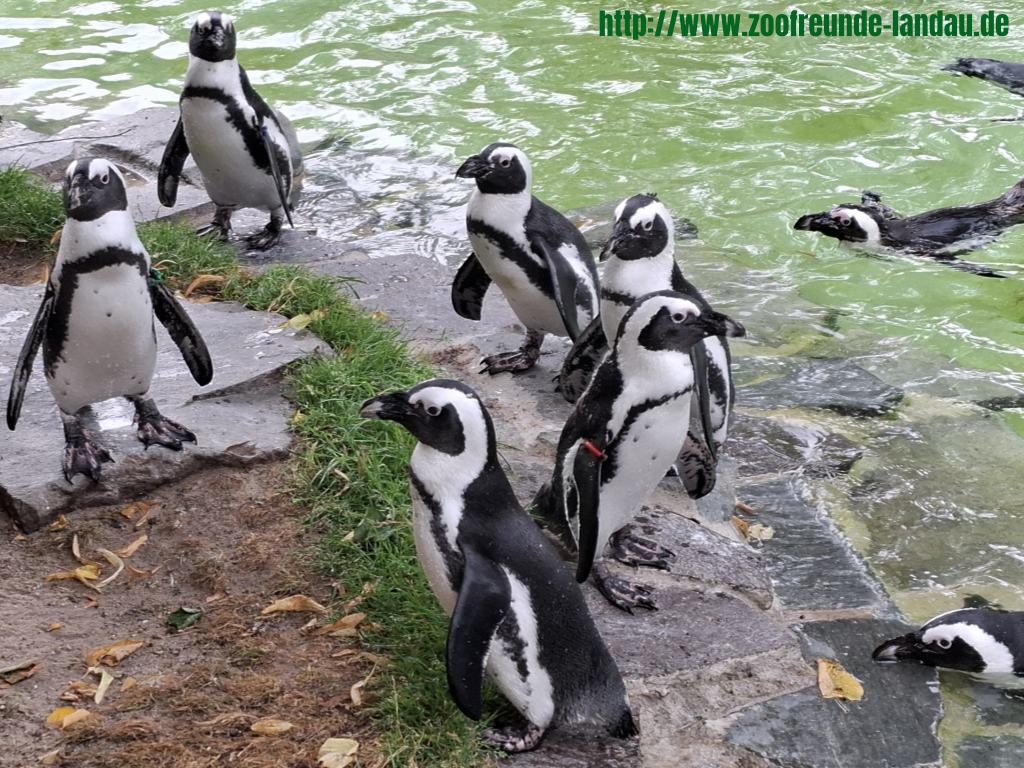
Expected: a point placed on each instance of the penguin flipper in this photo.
(587, 479)
(468, 289)
(175, 154)
(182, 331)
(484, 600)
(23, 370)
(699, 360)
(681, 285)
(586, 354)
(563, 284)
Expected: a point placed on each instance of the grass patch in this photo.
(352, 473)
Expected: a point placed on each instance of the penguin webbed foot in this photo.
(632, 549)
(267, 238)
(624, 595)
(220, 227)
(156, 429)
(522, 359)
(82, 456)
(520, 737)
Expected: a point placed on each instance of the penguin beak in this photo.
(620, 233)
(723, 325)
(77, 191)
(898, 649)
(394, 407)
(474, 167)
(819, 222)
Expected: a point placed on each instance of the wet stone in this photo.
(835, 385)
(997, 706)
(812, 566)
(579, 746)
(990, 752)
(762, 446)
(893, 726)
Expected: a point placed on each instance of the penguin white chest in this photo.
(110, 349)
(432, 543)
(230, 175)
(633, 278)
(534, 308)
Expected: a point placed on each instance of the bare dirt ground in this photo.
(227, 542)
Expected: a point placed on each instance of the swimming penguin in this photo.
(1003, 73)
(639, 259)
(623, 435)
(940, 234)
(515, 610)
(95, 323)
(229, 129)
(539, 260)
(969, 639)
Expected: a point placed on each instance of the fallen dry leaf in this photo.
(19, 537)
(11, 675)
(66, 716)
(77, 716)
(202, 280)
(55, 626)
(93, 602)
(56, 236)
(218, 595)
(294, 603)
(338, 753)
(762, 532)
(270, 727)
(741, 526)
(81, 573)
(51, 758)
(132, 548)
(141, 574)
(59, 524)
(343, 627)
(78, 690)
(113, 560)
(114, 653)
(745, 509)
(128, 684)
(355, 693)
(105, 680)
(834, 682)
(344, 652)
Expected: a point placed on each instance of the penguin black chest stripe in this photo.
(454, 562)
(535, 272)
(57, 328)
(254, 145)
(616, 297)
(610, 466)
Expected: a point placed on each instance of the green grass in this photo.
(352, 473)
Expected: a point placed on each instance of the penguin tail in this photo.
(625, 727)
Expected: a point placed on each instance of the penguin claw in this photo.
(213, 228)
(510, 362)
(267, 238)
(623, 594)
(521, 737)
(163, 431)
(84, 457)
(631, 549)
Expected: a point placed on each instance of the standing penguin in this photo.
(96, 321)
(514, 608)
(247, 153)
(623, 435)
(639, 259)
(969, 639)
(541, 262)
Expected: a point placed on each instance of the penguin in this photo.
(539, 260)
(95, 323)
(1003, 73)
(515, 610)
(976, 640)
(639, 259)
(623, 435)
(941, 234)
(247, 153)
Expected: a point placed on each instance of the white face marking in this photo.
(503, 156)
(997, 657)
(645, 218)
(203, 20)
(864, 221)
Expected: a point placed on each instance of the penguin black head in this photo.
(500, 169)
(666, 320)
(442, 414)
(93, 187)
(852, 223)
(213, 37)
(643, 228)
(968, 639)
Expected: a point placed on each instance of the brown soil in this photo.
(21, 264)
(225, 541)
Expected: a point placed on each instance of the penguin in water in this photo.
(539, 260)
(623, 435)
(940, 234)
(95, 323)
(1003, 73)
(515, 611)
(247, 153)
(976, 640)
(639, 259)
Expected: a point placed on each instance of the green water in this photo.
(740, 135)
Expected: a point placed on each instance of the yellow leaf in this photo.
(113, 560)
(271, 727)
(355, 693)
(84, 572)
(54, 626)
(76, 716)
(132, 548)
(128, 684)
(56, 236)
(112, 654)
(834, 682)
(105, 680)
(294, 603)
(60, 524)
(51, 758)
(65, 716)
(758, 531)
(346, 625)
(202, 280)
(338, 753)
(379, 316)
(741, 525)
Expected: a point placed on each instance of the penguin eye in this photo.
(944, 643)
(505, 162)
(678, 317)
(844, 220)
(433, 410)
(104, 178)
(648, 225)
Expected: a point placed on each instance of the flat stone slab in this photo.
(240, 417)
(812, 565)
(775, 446)
(893, 726)
(579, 746)
(835, 385)
(990, 752)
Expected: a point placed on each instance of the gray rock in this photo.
(894, 726)
(20, 146)
(812, 566)
(835, 385)
(763, 446)
(990, 752)
(239, 418)
(997, 706)
(579, 746)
